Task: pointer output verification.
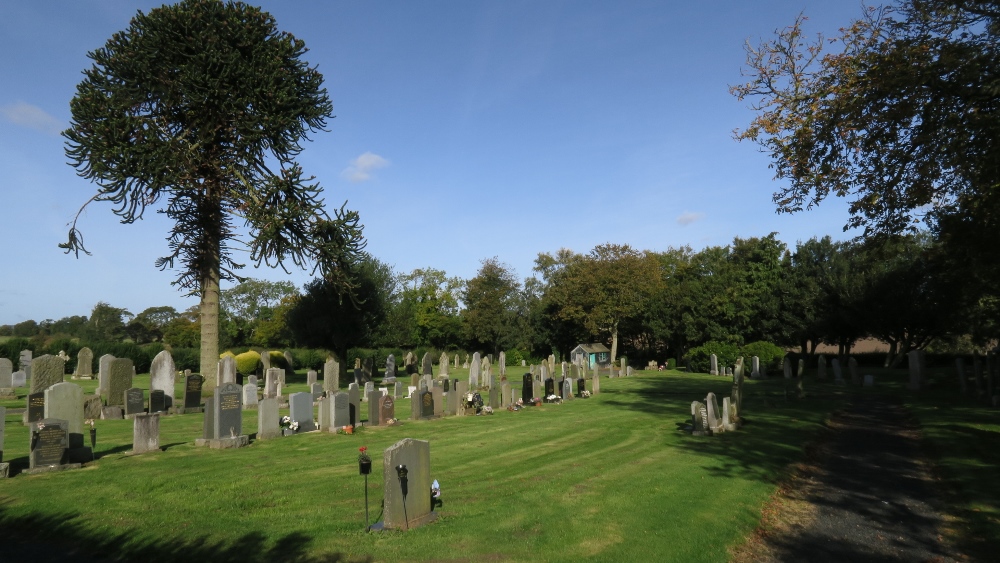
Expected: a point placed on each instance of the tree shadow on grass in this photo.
(56, 538)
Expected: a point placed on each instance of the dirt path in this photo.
(865, 495)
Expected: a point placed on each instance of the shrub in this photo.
(248, 362)
(187, 358)
(699, 357)
(672, 363)
(769, 354)
(514, 357)
(277, 360)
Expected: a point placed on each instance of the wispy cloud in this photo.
(32, 117)
(689, 217)
(361, 168)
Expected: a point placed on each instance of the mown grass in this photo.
(611, 478)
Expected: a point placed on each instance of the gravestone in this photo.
(84, 363)
(713, 361)
(103, 372)
(272, 378)
(316, 390)
(754, 367)
(506, 395)
(838, 375)
(461, 390)
(916, 375)
(157, 401)
(426, 399)
(267, 419)
(390, 368)
(537, 389)
(249, 396)
(426, 366)
(494, 400)
(192, 391)
(437, 394)
(6, 377)
(359, 376)
(581, 386)
(49, 443)
(595, 384)
(92, 405)
(714, 415)
(24, 362)
(135, 401)
(341, 410)
(46, 371)
(728, 420)
(475, 370)
(869, 381)
(162, 373)
(228, 411)
(852, 368)
(324, 412)
(36, 406)
(331, 376)
(386, 409)
(145, 433)
(527, 388)
(300, 407)
(19, 379)
(699, 419)
(407, 503)
(502, 364)
(443, 364)
(354, 394)
(120, 374)
(265, 361)
(366, 369)
(373, 408)
(311, 377)
(821, 367)
(426, 382)
(64, 401)
(567, 389)
(786, 366)
(227, 370)
(550, 387)
(369, 387)
(397, 389)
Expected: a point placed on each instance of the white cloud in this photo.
(688, 217)
(361, 168)
(32, 117)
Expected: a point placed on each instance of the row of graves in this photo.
(707, 419)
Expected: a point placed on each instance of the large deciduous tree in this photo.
(490, 300)
(203, 106)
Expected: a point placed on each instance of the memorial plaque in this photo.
(49, 442)
(426, 404)
(135, 401)
(192, 391)
(157, 401)
(229, 410)
(36, 406)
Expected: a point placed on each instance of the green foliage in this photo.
(514, 357)
(308, 358)
(671, 363)
(700, 359)
(769, 355)
(248, 362)
(490, 305)
(277, 359)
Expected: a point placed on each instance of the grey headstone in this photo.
(3, 415)
(272, 378)
(595, 384)
(437, 393)
(443, 364)
(19, 379)
(916, 375)
(341, 410)
(474, 371)
(331, 376)
(84, 362)
(145, 433)
(103, 373)
(162, 376)
(46, 371)
(567, 389)
(227, 370)
(369, 387)
(49, 443)
(310, 377)
(24, 362)
(427, 367)
(713, 361)
(64, 401)
(354, 394)
(494, 400)
(502, 363)
(250, 396)
(506, 394)
(397, 390)
(267, 419)
(6, 374)
(754, 367)
(228, 410)
(300, 406)
(92, 405)
(390, 367)
(869, 381)
(119, 379)
(373, 408)
(135, 401)
(415, 509)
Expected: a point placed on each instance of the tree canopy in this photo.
(202, 107)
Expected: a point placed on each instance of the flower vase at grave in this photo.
(93, 438)
(364, 467)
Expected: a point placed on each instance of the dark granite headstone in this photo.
(135, 401)
(192, 391)
(426, 404)
(228, 410)
(49, 442)
(581, 386)
(157, 401)
(36, 406)
(550, 387)
(527, 385)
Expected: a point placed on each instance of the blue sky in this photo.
(464, 130)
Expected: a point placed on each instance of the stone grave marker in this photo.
(412, 509)
(754, 367)
(250, 396)
(506, 395)
(852, 368)
(64, 401)
(267, 419)
(192, 391)
(821, 367)
(474, 370)
(869, 381)
(367, 369)
(426, 404)
(386, 408)
(49, 443)
(324, 412)
(228, 408)
(36, 406)
(714, 365)
(341, 410)
(550, 387)
(527, 388)
(355, 399)
(916, 375)
(331, 376)
(838, 376)
(461, 390)
(227, 370)
(271, 381)
(84, 363)
(567, 389)
(494, 400)
(46, 371)
(24, 362)
(369, 387)
(4, 467)
(135, 401)
(443, 364)
(373, 410)
(157, 401)
(502, 364)
(316, 390)
(120, 374)
(19, 378)
(390, 368)
(728, 424)
(437, 394)
(300, 406)
(92, 405)
(145, 433)
(162, 375)
(397, 389)
(714, 416)
(581, 386)
(6, 377)
(103, 372)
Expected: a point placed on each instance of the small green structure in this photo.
(593, 354)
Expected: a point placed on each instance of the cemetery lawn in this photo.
(610, 478)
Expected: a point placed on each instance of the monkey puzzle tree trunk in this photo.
(210, 328)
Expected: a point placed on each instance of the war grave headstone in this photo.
(300, 409)
(443, 364)
(331, 376)
(355, 403)
(461, 390)
(64, 401)
(474, 371)
(506, 395)
(46, 371)
(4, 466)
(714, 365)
(386, 409)
(103, 372)
(341, 411)
(120, 374)
(84, 364)
(135, 402)
(226, 414)
(145, 433)
(437, 395)
(7, 379)
(250, 400)
(407, 504)
(49, 446)
(369, 387)
(192, 393)
(35, 407)
(311, 377)
(267, 419)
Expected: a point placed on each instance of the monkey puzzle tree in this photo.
(203, 106)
